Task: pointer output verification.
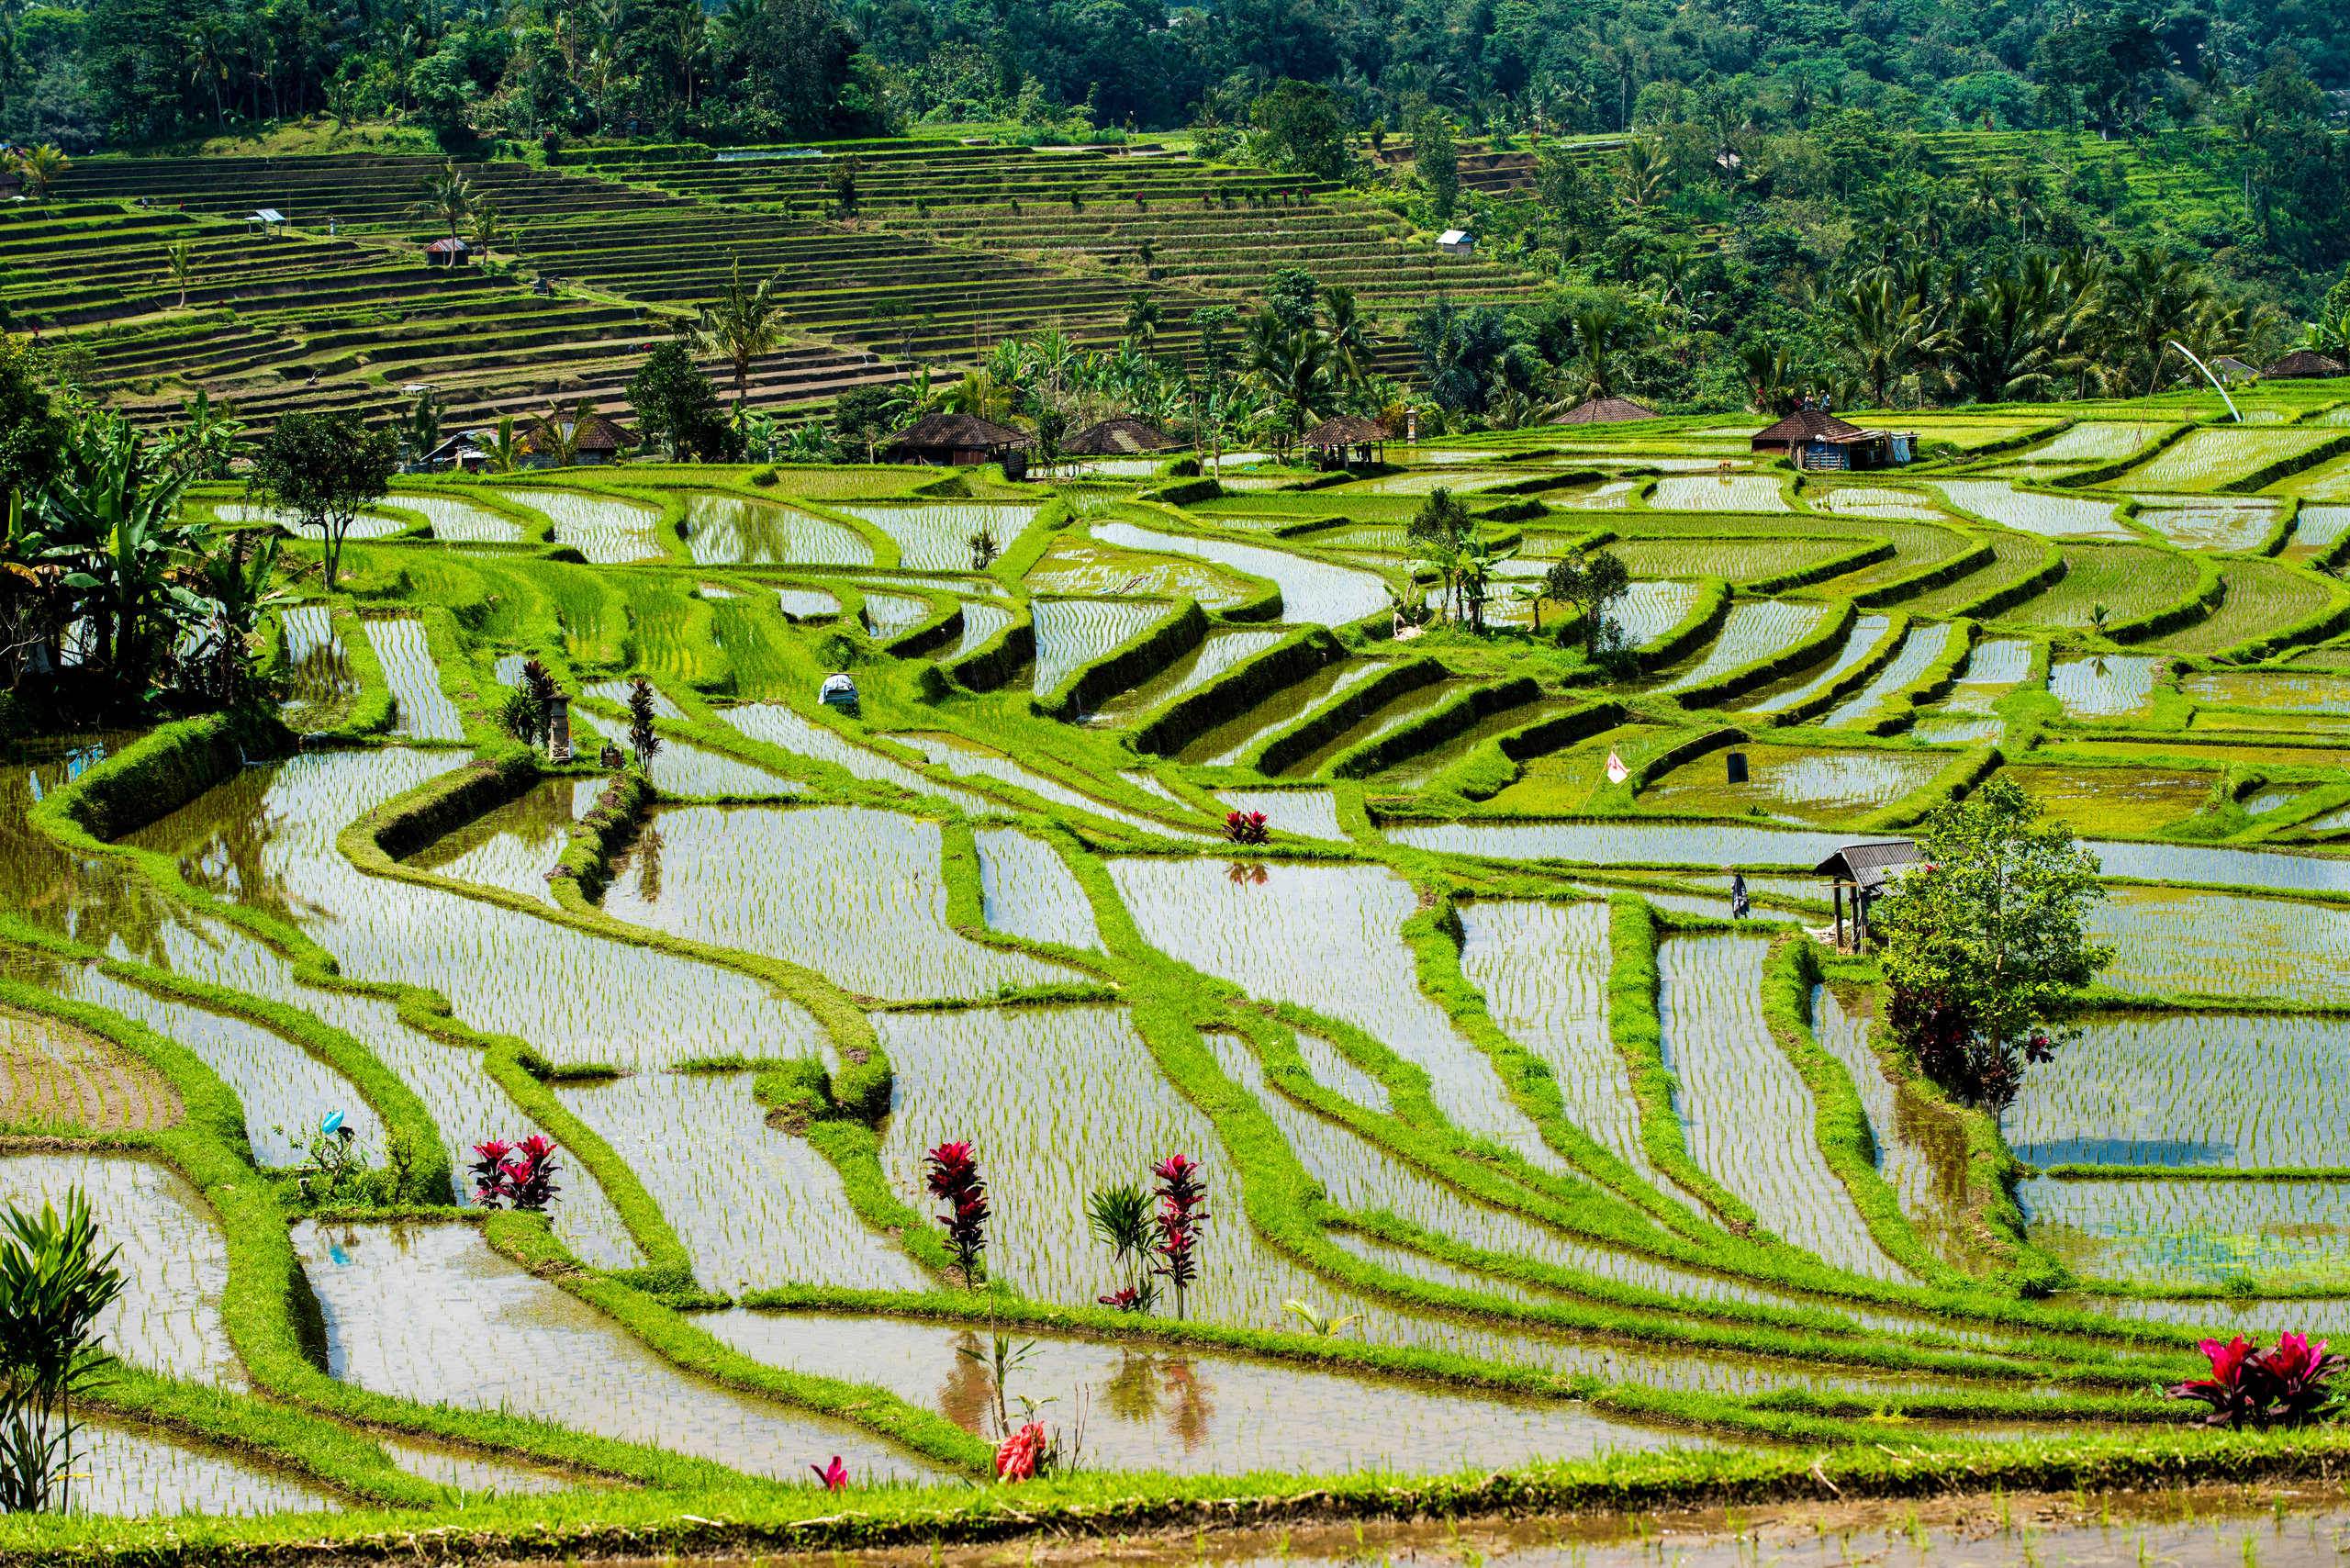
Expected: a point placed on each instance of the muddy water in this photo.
(779, 726)
(1189, 1412)
(968, 758)
(431, 1313)
(514, 846)
(316, 677)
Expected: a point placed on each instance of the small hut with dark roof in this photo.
(599, 441)
(1868, 870)
(1120, 436)
(1332, 437)
(2303, 365)
(1604, 411)
(1814, 438)
(946, 440)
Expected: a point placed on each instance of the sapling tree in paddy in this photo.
(324, 468)
(1987, 945)
(54, 1284)
(642, 738)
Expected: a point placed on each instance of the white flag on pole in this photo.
(1617, 771)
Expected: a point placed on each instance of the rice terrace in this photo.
(851, 781)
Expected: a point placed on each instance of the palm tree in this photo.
(1353, 345)
(1876, 325)
(1290, 365)
(690, 38)
(980, 396)
(2003, 342)
(2152, 297)
(1644, 171)
(42, 167)
(488, 227)
(448, 197)
(180, 260)
(504, 449)
(1601, 332)
(1142, 319)
(207, 60)
(557, 437)
(743, 325)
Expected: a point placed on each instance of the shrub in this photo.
(2286, 1386)
(1246, 827)
(521, 1175)
(1182, 1209)
(953, 1175)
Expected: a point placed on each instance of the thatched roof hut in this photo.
(1333, 436)
(947, 440)
(1604, 411)
(1120, 436)
(2303, 365)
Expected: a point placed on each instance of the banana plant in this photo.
(115, 527)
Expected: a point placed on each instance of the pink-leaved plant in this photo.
(952, 1172)
(1182, 1209)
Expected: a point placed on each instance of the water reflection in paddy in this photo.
(854, 893)
(1197, 1413)
(122, 1471)
(431, 1313)
(515, 846)
(1027, 890)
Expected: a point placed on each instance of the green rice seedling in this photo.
(1609, 494)
(1728, 492)
(2328, 481)
(1236, 737)
(726, 530)
(2189, 1090)
(1193, 1412)
(172, 1252)
(368, 524)
(2093, 440)
(2218, 752)
(430, 1313)
(2292, 691)
(127, 1471)
(605, 529)
(681, 768)
(616, 692)
(968, 758)
(779, 726)
(1025, 889)
(424, 711)
(2124, 581)
(317, 679)
(1876, 502)
(981, 623)
(2263, 598)
(1328, 937)
(1391, 715)
(1071, 632)
(1748, 1115)
(1222, 648)
(1304, 813)
(1782, 696)
(1750, 632)
(2210, 522)
(853, 893)
(1461, 482)
(1921, 1155)
(2194, 1233)
(2316, 531)
(1741, 560)
(891, 615)
(2105, 686)
(1925, 643)
(1415, 771)
(2093, 800)
(1313, 592)
(1543, 969)
(460, 521)
(2209, 458)
(514, 846)
(2057, 517)
(1622, 844)
(935, 536)
(1805, 783)
(693, 1139)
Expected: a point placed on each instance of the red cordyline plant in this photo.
(952, 1172)
(834, 1476)
(1182, 1209)
(514, 1175)
(1245, 827)
(2284, 1386)
(1024, 1455)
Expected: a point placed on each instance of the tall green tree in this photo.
(324, 468)
(112, 521)
(742, 325)
(677, 406)
(1986, 942)
(1436, 159)
(1307, 126)
(1592, 582)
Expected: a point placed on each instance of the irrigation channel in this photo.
(1526, 1162)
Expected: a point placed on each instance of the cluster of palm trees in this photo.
(39, 168)
(446, 198)
(2072, 325)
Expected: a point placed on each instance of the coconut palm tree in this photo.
(448, 197)
(42, 167)
(742, 325)
(179, 259)
(1876, 325)
(2004, 342)
(1601, 332)
(2152, 297)
(1353, 343)
(1644, 171)
(207, 59)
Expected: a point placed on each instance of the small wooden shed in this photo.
(1458, 242)
(1813, 438)
(1334, 437)
(946, 440)
(1865, 869)
(2303, 365)
(447, 253)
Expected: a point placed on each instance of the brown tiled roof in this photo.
(1604, 411)
(1807, 424)
(1120, 436)
(1345, 430)
(2303, 365)
(601, 435)
(960, 431)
